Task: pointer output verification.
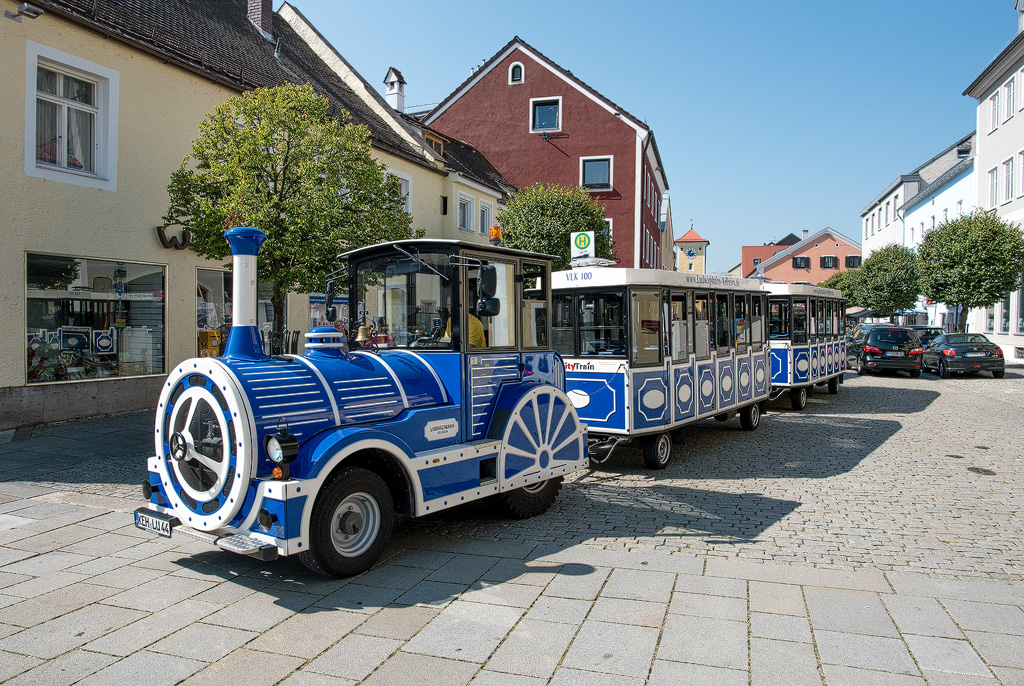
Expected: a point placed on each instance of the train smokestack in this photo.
(244, 342)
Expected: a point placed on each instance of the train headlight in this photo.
(281, 447)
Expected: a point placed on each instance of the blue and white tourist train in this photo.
(649, 351)
(450, 393)
(807, 328)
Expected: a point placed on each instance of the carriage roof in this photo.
(444, 245)
(597, 277)
(802, 289)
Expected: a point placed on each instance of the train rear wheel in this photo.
(833, 385)
(750, 416)
(658, 451)
(529, 501)
(798, 398)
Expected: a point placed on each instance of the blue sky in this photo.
(770, 117)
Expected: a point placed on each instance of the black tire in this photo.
(798, 398)
(915, 373)
(658, 451)
(833, 385)
(724, 417)
(943, 370)
(750, 416)
(361, 503)
(529, 501)
(862, 368)
(998, 373)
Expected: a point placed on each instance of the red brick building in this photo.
(536, 122)
(813, 259)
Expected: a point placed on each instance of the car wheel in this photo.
(658, 451)
(915, 373)
(833, 385)
(750, 416)
(862, 369)
(530, 501)
(943, 370)
(351, 524)
(998, 373)
(798, 398)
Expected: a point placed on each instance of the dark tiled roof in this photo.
(215, 39)
(463, 158)
(790, 239)
(938, 183)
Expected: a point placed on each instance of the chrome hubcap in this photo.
(355, 524)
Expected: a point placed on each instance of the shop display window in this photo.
(213, 311)
(93, 319)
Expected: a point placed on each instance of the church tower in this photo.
(691, 253)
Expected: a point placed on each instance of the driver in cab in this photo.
(476, 331)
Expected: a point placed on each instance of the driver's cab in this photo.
(489, 305)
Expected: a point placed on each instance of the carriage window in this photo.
(829, 320)
(778, 319)
(535, 306)
(723, 323)
(740, 320)
(602, 323)
(842, 319)
(757, 321)
(821, 321)
(498, 330)
(702, 326)
(680, 330)
(799, 321)
(646, 327)
(561, 304)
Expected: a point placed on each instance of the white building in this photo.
(999, 161)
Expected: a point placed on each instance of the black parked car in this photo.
(885, 347)
(926, 333)
(964, 352)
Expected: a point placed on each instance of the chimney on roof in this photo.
(395, 93)
(261, 13)
(805, 233)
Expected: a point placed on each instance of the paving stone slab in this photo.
(854, 580)
(428, 671)
(124, 577)
(866, 652)
(945, 655)
(780, 627)
(613, 648)
(667, 673)
(260, 611)
(712, 585)
(44, 584)
(976, 616)
(921, 616)
(358, 598)
(979, 590)
(530, 572)
(393, 576)
(64, 670)
(355, 656)
(204, 642)
(998, 650)
(622, 611)
(12, 664)
(849, 612)
(641, 560)
(775, 598)
(578, 581)
(158, 594)
(308, 633)
(151, 629)
(719, 607)
(54, 540)
(534, 648)
(247, 667)
(838, 675)
(401, 622)
(431, 593)
(45, 607)
(515, 595)
(563, 610)
(431, 560)
(33, 564)
(57, 636)
(463, 569)
(580, 677)
(635, 584)
(465, 631)
(152, 669)
(704, 641)
(488, 678)
(303, 678)
(785, 663)
(1009, 677)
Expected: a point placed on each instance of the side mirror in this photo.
(329, 311)
(487, 282)
(488, 307)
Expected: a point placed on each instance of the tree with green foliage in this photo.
(887, 282)
(540, 218)
(971, 261)
(849, 283)
(277, 160)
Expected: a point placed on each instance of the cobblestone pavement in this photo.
(848, 544)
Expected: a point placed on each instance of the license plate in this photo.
(974, 354)
(153, 523)
(894, 353)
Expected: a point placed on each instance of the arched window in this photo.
(515, 73)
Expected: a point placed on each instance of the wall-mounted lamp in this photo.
(543, 136)
(24, 10)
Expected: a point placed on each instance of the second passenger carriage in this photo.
(648, 351)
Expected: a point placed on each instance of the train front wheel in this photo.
(658, 451)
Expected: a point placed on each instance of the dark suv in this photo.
(885, 347)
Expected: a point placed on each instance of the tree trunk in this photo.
(277, 333)
(961, 319)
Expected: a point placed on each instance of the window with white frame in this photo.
(911, 235)
(1009, 93)
(70, 119)
(596, 173)
(486, 217)
(829, 262)
(993, 187)
(933, 222)
(887, 213)
(404, 187)
(545, 114)
(994, 113)
(515, 73)
(465, 212)
(959, 208)
(945, 214)
(1008, 180)
(895, 206)
(1020, 165)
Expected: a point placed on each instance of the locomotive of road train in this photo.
(649, 351)
(806, 331)
(450, 393)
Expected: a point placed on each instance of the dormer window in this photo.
(436, 143)
(515, 73)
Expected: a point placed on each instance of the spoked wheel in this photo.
(833, 385)
(351, 524)
(750, 416)
(658, 451)
(798, 398)
(530, 501)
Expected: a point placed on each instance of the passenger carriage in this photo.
(451, 393)
(649, 351)
(807, 329)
